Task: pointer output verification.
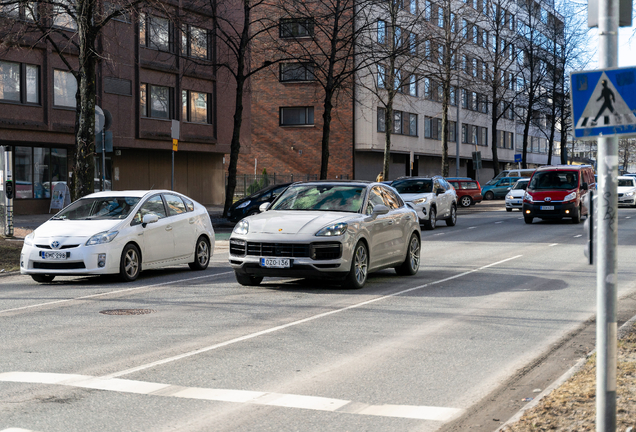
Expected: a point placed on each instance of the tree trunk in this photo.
(235, 145)
(493, 139)
(326, 133)
(83, 162)
(388, 121)
(445, 104)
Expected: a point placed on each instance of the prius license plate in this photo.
(55, 255)
(275, 262)
(547, 207)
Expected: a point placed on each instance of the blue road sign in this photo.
(518, 157)
(604, 102)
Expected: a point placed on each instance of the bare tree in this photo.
(239, 24)
(393, 58)
(627, 153)
(72, 28)
(328, 59)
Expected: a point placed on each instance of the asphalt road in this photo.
(403, 354)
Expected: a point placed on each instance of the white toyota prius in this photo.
(120, 232)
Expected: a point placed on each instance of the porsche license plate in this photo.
(275, 262)
(55, 255)
(547, 207)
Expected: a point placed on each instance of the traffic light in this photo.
(588, 226)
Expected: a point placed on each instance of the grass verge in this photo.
(10, 254)
(572, 406)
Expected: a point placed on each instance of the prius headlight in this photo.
(333, 230)
(243, 205)
(419, 200)
(570, 196)
(102, 237)
(28, 240)
(242, 228)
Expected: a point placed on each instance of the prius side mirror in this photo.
(148, 219)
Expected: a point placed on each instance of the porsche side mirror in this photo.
(263, 207)
(380, 209)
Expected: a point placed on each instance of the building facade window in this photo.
(404, 123)
(195, 107)
(381, 120)
(27, 11)
(155, 101)
(195, 43)
(62, 16)
(381, 32)
(381, 76)
(155, 32)
(296, 27)
(64, 89)
(296, 116)
(296, 72)
(19, 82)
(38, 170)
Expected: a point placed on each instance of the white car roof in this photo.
(625, 177)
(126, 193)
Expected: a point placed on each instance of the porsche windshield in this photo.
(413, 186)
(98, 208)
(321, 197)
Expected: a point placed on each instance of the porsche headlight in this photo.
(333, 230)
(28, 240)
(243, 205)
(242, 228)
(570, 196)
(419, 200)
(101, 238)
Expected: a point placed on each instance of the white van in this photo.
(527, 172)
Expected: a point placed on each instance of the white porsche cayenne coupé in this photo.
(120, 232)
(340, 230)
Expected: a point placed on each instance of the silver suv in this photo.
(432, 198)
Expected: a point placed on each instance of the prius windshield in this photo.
(323, 197)
(98, 208)
(554, 180)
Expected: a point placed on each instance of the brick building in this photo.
(151, 72)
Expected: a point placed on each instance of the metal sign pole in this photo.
(606, 270)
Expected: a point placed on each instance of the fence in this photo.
(247, 184)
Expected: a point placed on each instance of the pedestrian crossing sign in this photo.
(604, 103)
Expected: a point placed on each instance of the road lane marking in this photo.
(553, 244)
(471, 227)
(498, 222)
(112, 292)
(579, 235)
(16, 430)
(316, 403)
(438, 234)
(295, 323)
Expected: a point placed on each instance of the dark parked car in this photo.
(468, 190)
(249, 205)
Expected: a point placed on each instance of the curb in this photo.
(622, 332)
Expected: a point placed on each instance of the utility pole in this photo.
(607, 217)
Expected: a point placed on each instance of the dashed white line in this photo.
(16, 430)
(112, 292)
(438, 234)
(471, 227)
(553, 244)
(579, 235)
(317, 403)
(498, 222)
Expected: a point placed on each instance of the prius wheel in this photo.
(42, 278)
(130, 265)
(452, 220)
(411, 263)
(357, 276)
(489, 196)
(247, 280)
(432, 220)
(201, 255)
(466, 201)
